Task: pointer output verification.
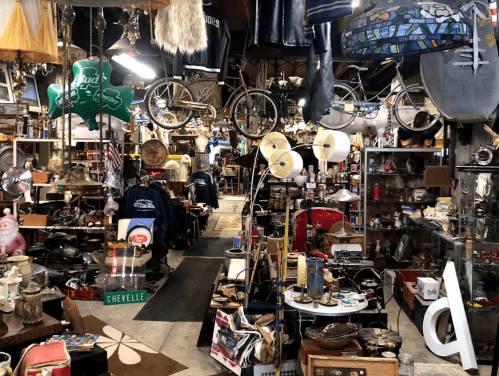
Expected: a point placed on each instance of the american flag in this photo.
(113, 153)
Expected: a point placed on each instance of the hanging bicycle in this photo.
(172, 104)
(406, 102)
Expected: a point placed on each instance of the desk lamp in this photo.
(343, 196)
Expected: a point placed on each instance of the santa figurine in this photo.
(11, 241)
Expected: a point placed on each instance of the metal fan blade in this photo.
(16, 181)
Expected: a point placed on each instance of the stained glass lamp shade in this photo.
(408, 28)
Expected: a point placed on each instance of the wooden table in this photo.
(14, 332)
(14, 336)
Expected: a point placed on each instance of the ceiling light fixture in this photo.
(135, 66)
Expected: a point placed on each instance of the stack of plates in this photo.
(379, 340)
(333, 336)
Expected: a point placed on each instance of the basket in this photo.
(40, 177)
(34, 219)
(288, 368)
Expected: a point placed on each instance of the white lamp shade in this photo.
(272, 142)
(285, 164)
(331, 146)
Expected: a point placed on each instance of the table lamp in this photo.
(343, 196)
(29, 36)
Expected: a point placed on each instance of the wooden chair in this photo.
(72, 315)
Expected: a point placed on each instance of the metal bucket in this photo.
(233, 253)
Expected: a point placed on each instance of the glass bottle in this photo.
(315, 277)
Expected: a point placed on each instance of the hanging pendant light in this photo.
(76, 52)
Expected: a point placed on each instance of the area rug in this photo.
(229, 208)
(423, 369)
(234, 198)
(229, 223)
(127, 356)
(209, 247)
(186, 294)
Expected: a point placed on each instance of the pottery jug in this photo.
(23, 267)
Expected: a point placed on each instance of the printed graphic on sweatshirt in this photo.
(211, 20)
(144, 205)
(199, 182)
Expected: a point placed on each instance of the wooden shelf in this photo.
(21, 139)
(62, 227)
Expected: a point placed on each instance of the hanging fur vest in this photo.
(181, 25)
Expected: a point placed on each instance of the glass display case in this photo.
(393, 187)
(479, 258)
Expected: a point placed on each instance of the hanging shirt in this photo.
(169, 209)
(145, 202)
(206, 188)
(215, 57)
(322, 11)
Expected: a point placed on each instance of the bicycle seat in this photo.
(360, 69)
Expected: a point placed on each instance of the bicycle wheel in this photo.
(165, 103)
(254, 115)
(409, 103)
(341, 113)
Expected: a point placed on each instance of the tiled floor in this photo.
(178, 339)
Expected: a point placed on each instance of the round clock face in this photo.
(154, 152)
(483, 155)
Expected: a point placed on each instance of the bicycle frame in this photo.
(227, 106)
(377, 96)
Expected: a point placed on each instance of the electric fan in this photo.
(16, 181)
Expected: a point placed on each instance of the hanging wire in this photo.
(91, 31)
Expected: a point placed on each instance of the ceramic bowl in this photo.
(300, 180)
(359, 297)
(295, 80)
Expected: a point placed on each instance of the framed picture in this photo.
(404, 250)
(5, 87)
(31, 95)
(12, 109)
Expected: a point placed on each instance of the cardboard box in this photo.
(34, 219)
(40, 177)
(428, 288)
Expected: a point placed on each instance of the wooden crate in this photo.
(320, 365)
(309, 347)
(342, 239)
(410, 291)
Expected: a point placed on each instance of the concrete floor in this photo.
(177, 340)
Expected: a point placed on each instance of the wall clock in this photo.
(154, 152)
